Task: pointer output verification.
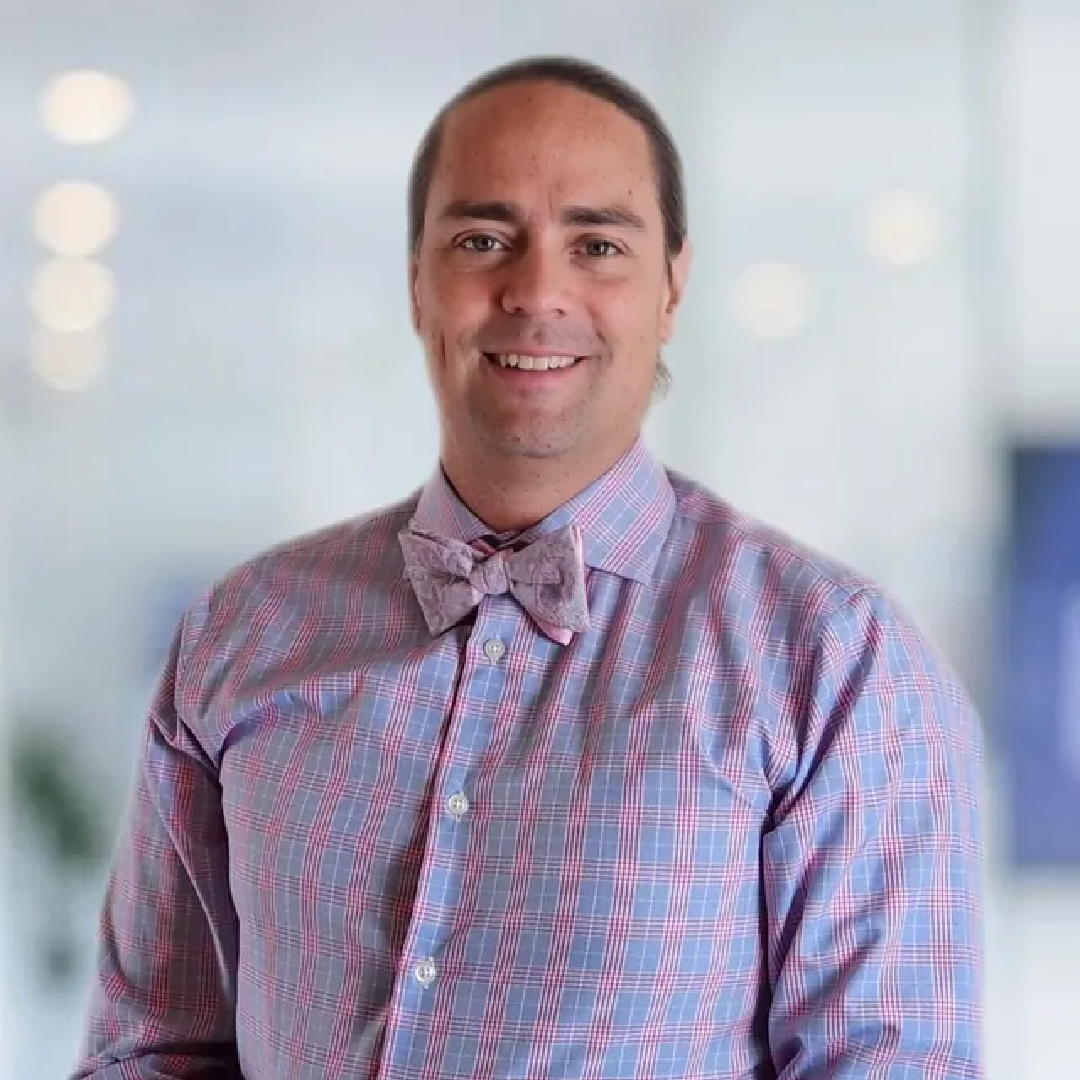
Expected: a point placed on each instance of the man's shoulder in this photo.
(359, 547)
(743, 557)
(768, 587)
(330, 568)
(274, 619)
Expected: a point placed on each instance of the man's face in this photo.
(541, 287)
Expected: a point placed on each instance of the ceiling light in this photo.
(902, 228)
(75, 219)
(86, 107)
(72, 295)
(773, 300)
(67, 362)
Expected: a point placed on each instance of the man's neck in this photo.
(514, 494)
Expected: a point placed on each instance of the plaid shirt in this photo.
(730, 831)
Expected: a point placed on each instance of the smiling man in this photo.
(562, 767)
(544, 283)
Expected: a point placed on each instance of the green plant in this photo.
(55, 805)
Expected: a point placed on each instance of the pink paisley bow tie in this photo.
(547, 578)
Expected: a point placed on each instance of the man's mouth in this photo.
(532, 363)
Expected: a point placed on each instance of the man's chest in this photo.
(488, 798)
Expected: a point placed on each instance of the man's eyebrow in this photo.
(600, 217)
(508, 213)
(491, 210)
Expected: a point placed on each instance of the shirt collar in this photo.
(624, 516)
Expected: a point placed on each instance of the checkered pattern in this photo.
(730, 831)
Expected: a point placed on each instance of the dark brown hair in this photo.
(591, 79)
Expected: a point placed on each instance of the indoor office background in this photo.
(206, 348)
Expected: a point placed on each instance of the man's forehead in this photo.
(516, 149)
(548, 116)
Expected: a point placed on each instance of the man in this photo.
(562, 767)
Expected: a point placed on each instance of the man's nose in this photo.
(537, 282)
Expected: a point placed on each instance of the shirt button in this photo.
(494, 650)
(458, 805)
(425, 972)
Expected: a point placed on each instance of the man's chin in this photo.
(532, 445)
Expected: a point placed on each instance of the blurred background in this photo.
(206, 348)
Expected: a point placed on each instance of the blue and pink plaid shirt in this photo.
(729, 831)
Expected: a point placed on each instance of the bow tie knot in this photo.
(547, 577)
(491, 577)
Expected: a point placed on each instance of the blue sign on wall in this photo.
(1038, 691)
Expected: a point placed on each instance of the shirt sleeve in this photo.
(872, 864)
(161, 1005)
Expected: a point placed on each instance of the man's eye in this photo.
(482, 244)
(600, 249)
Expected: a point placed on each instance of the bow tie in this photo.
(547, 578)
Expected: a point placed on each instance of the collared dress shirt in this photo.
(730, 831)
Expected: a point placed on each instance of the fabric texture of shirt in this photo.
(730, 831)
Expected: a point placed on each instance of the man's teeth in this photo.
(533, 363)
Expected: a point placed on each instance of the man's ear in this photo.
(414, 302)
(678, 275)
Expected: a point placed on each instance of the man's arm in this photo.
(872, 868)
(162, 1002)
